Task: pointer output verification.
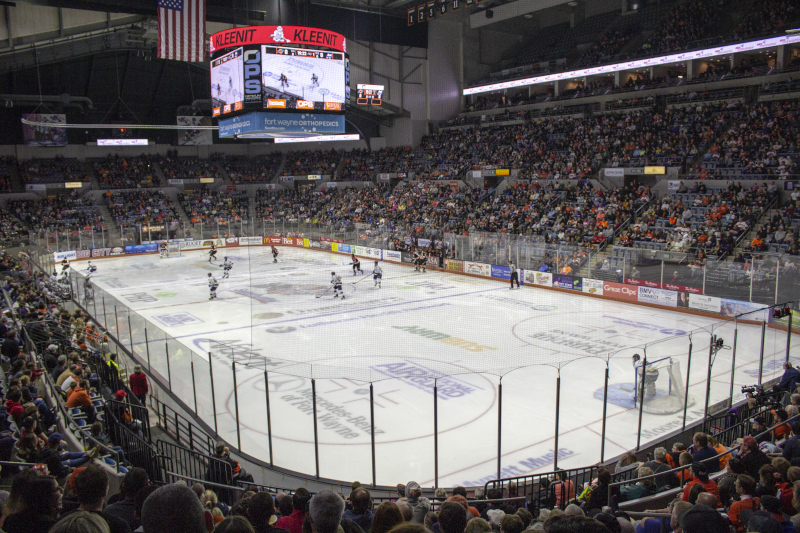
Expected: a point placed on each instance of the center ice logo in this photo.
(278, 37)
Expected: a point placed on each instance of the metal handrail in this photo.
(686, 467)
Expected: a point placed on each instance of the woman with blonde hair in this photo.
(81, 522)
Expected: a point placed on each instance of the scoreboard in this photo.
(369, 94)
(278, 68)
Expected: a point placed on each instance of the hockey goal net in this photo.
(172, 249)
(664, 386)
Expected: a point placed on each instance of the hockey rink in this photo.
(465, 331)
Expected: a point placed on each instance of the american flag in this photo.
(181, 29)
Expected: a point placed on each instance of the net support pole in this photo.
(169, 371)
(147, 344)
(708, 377)
(194, 390)
(733, 360)
(316, 434)
(641, 400)
(605, 410)
(269, 419)
(372, 431)
(435, 433)
(499, 426)
(558, 405)
(789, 338)
(236, 406)
(213, 396)
(761, 356)
(130, 332)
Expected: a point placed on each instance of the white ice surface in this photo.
(521, 334)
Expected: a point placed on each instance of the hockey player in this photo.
(423, 260)
(336, 281)
(274, 255)
(356, 264)
(314, 79)
(212, 287)
(212, 254)
(377, 274)
(163, 249)
(91, 269)
(417, 260)
(64, 265)
(227, 265)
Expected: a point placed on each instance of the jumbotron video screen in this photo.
(227, 82)
(297, 78)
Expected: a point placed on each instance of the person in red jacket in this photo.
(138, 382)
(699, 473)
(746, 489)
(13, 405)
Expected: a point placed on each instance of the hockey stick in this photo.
(320, 295)
(362, 279)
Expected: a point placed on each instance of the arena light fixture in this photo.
(319, 138)
(793, 36)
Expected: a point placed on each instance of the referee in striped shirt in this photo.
(514, 274)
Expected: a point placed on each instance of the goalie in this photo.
(649, 376)
(163, 249)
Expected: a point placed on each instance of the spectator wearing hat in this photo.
(699, 473)
(645, 487)
(751, 456)
(746, 489)
(774, 507)
(418, 503)
(759, 431)
(138, 383)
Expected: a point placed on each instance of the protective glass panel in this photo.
(581, 412)
(138, 337)
(528, 424)
(221, 365)
(202, 386)
(404, 414)
(157, 354)
(343, 422)
(180, 367)
(292, 422)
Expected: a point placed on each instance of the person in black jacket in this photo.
(791, 451)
